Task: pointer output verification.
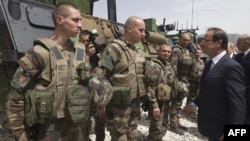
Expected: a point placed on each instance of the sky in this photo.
(231, 15)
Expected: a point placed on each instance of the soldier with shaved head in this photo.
(122, 64)
(50, 84)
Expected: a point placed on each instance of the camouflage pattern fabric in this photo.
(60, 128)
(122, 122)
(15, 113)
(158, 126)
(174, 111)
(101, 91)
(97, 126)
(122, 64)
(182, 61)
(166, 75)
(195, 80)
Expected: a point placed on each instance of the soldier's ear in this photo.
(59, 19)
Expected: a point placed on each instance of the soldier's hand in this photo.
(156, 112)
(101, 112)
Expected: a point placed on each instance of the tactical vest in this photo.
(169, 73)
(164, 88)
(67, 94)
(132, 61)
(184, 65)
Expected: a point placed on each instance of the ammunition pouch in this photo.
(38, 107)
(77, 103)
(84, 71)
(121, 96)
(164, 92)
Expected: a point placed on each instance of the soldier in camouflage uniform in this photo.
(161, 80)
(190, 109)
(182, 61)
(122, 64)
(99, 124)
(51, 83)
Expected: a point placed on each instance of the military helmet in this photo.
(101, 91)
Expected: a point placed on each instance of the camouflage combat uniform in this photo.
(54, 70)
(182, 61)
(190, 109)
(122, 64)
(161, 80)
(195, 80)
(99, 124)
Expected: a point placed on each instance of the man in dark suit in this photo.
(231, 47)
(221, 99)
(243, 58)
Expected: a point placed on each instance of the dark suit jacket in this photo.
(222, 98)
(245, 63)
(234, 55)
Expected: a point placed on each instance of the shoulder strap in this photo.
(123, 46)
(52, 46)
(120, 43)
(177, 46)
(159, 62)
(46, 42)
(49, 45)
(163, 67)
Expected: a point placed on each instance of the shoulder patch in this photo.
(175, 53)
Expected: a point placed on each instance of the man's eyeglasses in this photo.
(205, 40)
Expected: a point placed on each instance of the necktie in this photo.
(207, 69)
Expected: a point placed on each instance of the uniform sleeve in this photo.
(153, 74)
(109, 58)
(175, 55)
(36, 59)
(151, 96)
